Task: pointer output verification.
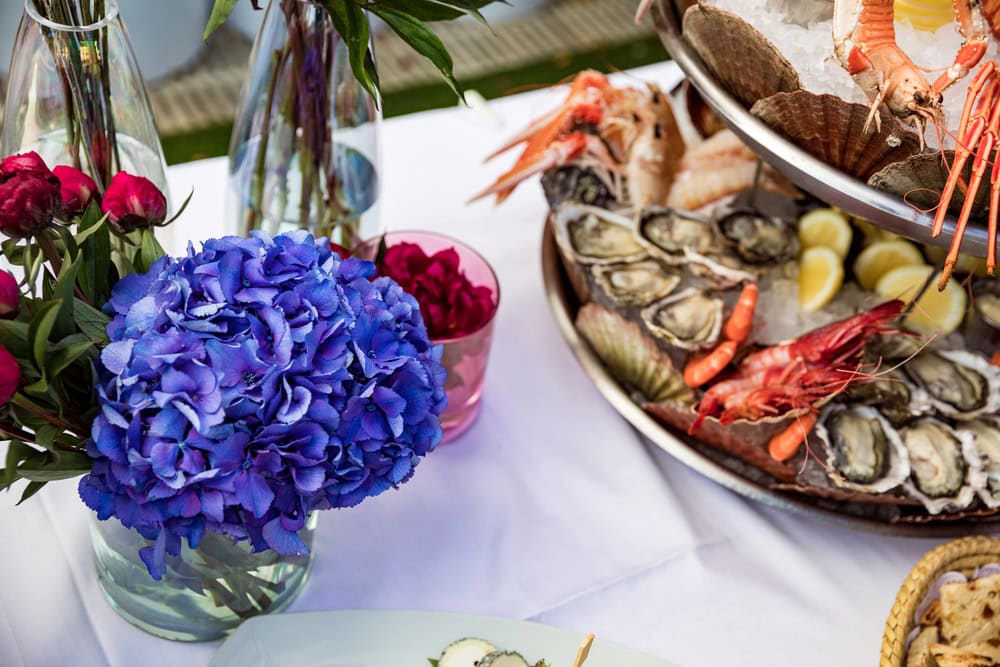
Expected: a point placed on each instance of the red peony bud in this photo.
(10, 375)
(133, 202)
(31, 163)
(29, 195)
(78, 190)
(10, 295)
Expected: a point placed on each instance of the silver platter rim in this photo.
(562, 303)
(809, 173)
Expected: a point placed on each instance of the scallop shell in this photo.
(743, 59)
(937, 386)
(633, 358)
(833, 131)
(920, 179)
(633, 283)
(898, 464)
(974, 478)
(689, 320)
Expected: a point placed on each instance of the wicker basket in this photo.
(963, 555)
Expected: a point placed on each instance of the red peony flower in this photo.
(133, 202)
(451, 305)
(10, 375)
(10, 295)
(340, 250)
(29, 195)
(30, 162)
(78, 190)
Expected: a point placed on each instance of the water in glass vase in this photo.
(206, 592)
(344, 209)
(134, 156)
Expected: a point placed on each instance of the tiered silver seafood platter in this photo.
(812, 175)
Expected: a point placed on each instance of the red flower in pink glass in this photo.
(29, 195)
(10, 295)
(77, 190)
(10, 375)
(451, 305)
(133, 202)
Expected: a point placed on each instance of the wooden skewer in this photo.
(584, 651)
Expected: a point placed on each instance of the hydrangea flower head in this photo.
(251, 383)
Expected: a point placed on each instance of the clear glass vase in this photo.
(206, 592)
(76, 96)
(304, 152)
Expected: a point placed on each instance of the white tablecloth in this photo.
(550, 508)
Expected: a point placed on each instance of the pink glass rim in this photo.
(412, 236)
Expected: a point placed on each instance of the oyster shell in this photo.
(894, 396)
(960, 384)
(634, 283)
(586, 235)
(573, 184)
(833, 130)
(986, 431)
(742, 59)
(690, 320)
(864, 451)
(759, 239)
(669, 234)
(633, 358)
(703, 119)
(920, 179)
(944, 465)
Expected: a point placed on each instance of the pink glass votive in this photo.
(465, 356)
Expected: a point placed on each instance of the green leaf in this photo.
(180, 211)
(149, 251)
(349, 20)
(64, 290)
(63, 356)
(66, 465)
(39, 388)
(434, 663)
(422, 40)
(95, 243)
(92, 322)
(14, 336)
(30, 490)
(435, 10)
(41, 328)
(45, 436)
(220, 12)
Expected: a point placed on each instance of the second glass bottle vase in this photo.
(304, 151)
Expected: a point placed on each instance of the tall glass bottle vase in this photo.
(76, 96)
(304, 152)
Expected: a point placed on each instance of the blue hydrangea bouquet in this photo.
(225, 394)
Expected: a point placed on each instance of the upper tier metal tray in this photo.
(812, 175)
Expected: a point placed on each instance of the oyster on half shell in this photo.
(961, 385)
(864, 451)
(690, 320)
(986, 431)
(944, 466)
(590, 235)
(634, 283)
(671, 234)
(894, 397)
(760, 239)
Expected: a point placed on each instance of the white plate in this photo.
(402, 639)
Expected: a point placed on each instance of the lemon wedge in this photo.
(928, 15)
(872, 233)
(965, 263)
(821, 273)
(936, 312)
(882, 257)
(826, 228)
